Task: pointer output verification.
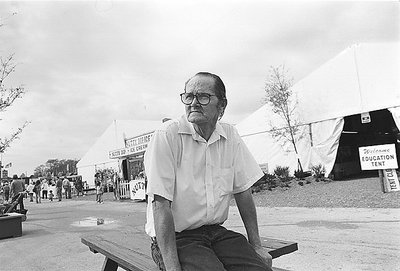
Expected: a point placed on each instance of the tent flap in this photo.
(325, 135)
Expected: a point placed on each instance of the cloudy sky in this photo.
(84, 64)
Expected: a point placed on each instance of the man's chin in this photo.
(195, 118)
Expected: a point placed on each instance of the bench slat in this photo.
(131, 251)
(277, 247)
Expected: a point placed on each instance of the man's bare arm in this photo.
(165, 233)
(247, 210)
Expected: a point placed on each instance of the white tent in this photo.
(363, 78)
(97, 157)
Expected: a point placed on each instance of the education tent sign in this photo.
(378, 157)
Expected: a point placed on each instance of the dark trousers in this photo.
(213, 247)
(20, 201)
(59, 193)
(44, 194)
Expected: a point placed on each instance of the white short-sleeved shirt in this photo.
(199, 177)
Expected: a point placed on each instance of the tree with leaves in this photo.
(56, 167)
(278, 94)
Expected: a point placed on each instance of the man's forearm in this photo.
(247, 210)
(165, 233)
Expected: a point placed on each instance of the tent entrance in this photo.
(380, 130)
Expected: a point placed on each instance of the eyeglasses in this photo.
(202, 98)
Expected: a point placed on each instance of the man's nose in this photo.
(195, 101)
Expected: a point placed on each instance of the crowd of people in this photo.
(40, 189)
(55, 188)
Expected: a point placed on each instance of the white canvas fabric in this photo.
(362, 78)
(396, 115)
(325, 139)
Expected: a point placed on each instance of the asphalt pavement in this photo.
(328, 238)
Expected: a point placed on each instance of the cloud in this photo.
(86, 63)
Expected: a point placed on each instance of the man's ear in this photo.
(221, 107)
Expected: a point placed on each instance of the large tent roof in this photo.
(362, 78)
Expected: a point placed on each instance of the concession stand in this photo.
(133, 180)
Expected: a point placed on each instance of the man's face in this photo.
(197, 113)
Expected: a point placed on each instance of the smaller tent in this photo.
(97, 157)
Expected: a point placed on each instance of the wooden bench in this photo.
(131, 251)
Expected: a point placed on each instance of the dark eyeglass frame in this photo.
(201, 95)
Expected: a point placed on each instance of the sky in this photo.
(85, 63)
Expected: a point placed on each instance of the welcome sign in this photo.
(378, 157)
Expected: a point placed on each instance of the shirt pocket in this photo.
(225, 181)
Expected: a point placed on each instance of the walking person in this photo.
(59, 185)
(45, 188)
(195, 165)
(99, 188)
(114, 182)
(37, 189)
(29, 189)
(51, 195)
(67, 188)
(79, 187)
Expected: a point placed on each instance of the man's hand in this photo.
(264, 255)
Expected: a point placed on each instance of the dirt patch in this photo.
(356, 193)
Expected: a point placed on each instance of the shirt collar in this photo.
(186, 127)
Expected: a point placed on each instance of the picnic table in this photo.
(131, 250)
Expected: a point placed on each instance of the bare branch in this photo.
(6, 142)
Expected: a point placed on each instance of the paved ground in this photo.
(329, 238)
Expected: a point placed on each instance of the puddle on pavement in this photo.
(91, 222)
(327, 224)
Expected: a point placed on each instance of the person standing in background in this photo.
(17, 187)
(45, 188)
(37, 189)
(99, 188)
(67, 188)
(6, 189)
(59, 185)
(79, 187)
(51, 195)
(30, 191)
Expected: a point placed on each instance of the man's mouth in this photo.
(194, 110)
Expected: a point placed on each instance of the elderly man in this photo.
(194, 166)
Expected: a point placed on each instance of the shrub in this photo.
(282, 173)
(299, 174)
(268, 181)
(318, 172)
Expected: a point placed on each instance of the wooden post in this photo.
(382, 180)
(390, 180)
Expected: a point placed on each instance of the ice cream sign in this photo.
(132, 146)
(378, 157)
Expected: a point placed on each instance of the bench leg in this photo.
(109, 265)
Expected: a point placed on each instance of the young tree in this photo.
(278, 95)
(7, 97)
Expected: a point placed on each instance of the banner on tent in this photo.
(133, 145)
(378, 157)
